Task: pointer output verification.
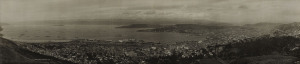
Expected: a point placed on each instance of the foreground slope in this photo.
(9, 54)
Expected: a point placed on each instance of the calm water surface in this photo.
(101, 32)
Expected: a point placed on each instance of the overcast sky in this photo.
(237, 11)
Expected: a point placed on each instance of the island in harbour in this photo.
(142, 26)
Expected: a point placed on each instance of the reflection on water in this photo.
(102, 32)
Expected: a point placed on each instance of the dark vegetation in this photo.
(0, 31)
(261, 46)
(9, 53)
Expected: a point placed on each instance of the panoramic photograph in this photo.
(149, 32)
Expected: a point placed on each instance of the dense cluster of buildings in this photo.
(132, 51)
(99, 51)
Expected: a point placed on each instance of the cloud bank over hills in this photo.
(234, 11)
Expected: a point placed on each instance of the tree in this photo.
(0, 31)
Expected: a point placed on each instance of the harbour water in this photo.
(100, 32)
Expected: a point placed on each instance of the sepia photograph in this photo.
(149, 31)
